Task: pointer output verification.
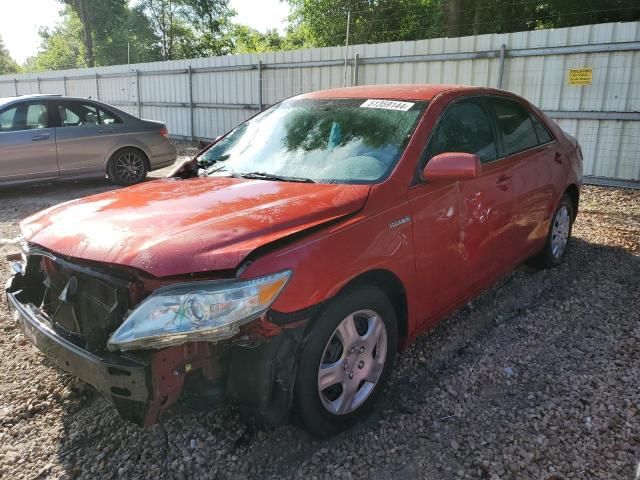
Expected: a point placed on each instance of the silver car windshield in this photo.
(325, 141)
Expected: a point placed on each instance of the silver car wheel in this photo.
(352, 362)
(130, 167)
(560, 231)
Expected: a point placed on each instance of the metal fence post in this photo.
(191, 126)
(15, 85)
(64, 84)
(260, 86)
(503, 49)
(38, 81)
(356, 64)
(97, 87)
(138, 101)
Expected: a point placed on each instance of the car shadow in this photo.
(51, 193)
(96, 442)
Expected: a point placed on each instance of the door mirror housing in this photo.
(452, 166)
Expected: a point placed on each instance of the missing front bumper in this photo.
(259, 377)
(112, 375)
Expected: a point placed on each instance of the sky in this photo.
(21, 19)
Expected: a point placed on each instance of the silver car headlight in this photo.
(196, 311)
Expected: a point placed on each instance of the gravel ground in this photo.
(538, 378)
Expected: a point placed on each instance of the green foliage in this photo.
(190, 28)
(61, 47)
(323, 23)
(109, 32)
(211, 23)
(99, 19)
(473, 17)
(7, 64)
(133, 40)
(249, 40)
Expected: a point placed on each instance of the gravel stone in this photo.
(537, 378)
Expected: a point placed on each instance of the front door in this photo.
(27, 143)
(459, 226)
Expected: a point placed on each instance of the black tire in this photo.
(310, 410)
(548, 258)
(127, 166)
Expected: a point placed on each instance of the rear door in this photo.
(27, 141)
(535, 156)
(85, 133)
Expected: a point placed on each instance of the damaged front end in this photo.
(143, 347)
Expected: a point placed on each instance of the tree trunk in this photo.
(82, 9)
(476, 17)
(88, 43)
(452, 18)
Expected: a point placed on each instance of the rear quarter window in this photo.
(543, 134)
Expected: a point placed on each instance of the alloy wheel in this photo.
(130, 167)
(352, 362)
(560, 231)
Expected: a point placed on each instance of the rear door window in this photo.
(516, 125)
(464, 127)
(77, 114)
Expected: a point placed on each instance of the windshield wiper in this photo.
(271, 176)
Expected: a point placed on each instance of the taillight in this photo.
(164, 132)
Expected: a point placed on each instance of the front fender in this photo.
(325, 262)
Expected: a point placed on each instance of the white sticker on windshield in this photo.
(388, 105)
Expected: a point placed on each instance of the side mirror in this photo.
(452, 166)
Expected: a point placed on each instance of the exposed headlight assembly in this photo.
(196, 311)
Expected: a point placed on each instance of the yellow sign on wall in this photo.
(580, 76)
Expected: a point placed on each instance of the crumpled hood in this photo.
(171, 227)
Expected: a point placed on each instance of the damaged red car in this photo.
(283, 267)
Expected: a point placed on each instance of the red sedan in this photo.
(285, 265)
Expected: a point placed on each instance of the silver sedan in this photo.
(51, 137)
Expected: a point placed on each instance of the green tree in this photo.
(323, 23)
(133, 41)
(99, 18)
(60, 48)
(473, 17)
(190, 28)
(7, 64)
(249, 40)
(163, 18)
(63, 46)
(211, 23)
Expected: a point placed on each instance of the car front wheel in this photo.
(346, 360)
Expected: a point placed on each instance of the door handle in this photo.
(558, 157)
(106, 130)
(503, 182)
(37, 138)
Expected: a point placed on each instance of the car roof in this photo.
(32, 96)
(405, 91)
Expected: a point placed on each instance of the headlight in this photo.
(196, 311)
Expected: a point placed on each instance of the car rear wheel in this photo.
(347, 358)
(559, 235)
(127, 166)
